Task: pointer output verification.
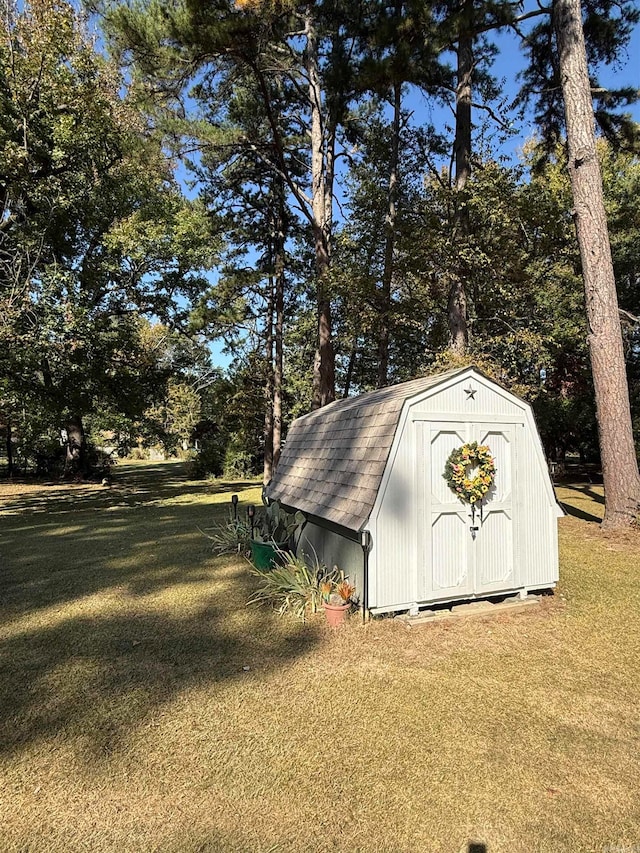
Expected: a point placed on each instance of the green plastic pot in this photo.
(264, 555)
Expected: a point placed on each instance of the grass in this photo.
(144, 707)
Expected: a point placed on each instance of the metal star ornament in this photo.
(470, 392)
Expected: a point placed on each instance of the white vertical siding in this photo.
(494, 557)
(487, 399)
(421, 548)
(443, 442)
(539, 533)
(394, 569)
(450, 565)
(503, 456)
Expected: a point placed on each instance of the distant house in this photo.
(367, 472)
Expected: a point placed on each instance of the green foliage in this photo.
(174, 418)
(45, 457)
(294, 586)
(272, 523)
(608, 25)
(92, 233)
(238, 463)
(244, 405)
(360, 256)
(205, 462)
(230, 536)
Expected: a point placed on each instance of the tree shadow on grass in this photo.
(590, 495)
(110, 614)
(579, 513)
(585, 490)
(94, 677)
(64, 554)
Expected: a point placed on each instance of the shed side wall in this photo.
(333, 549)
(539, 526)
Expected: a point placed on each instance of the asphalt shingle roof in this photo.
(334, 458)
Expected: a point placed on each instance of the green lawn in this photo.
(144, 707)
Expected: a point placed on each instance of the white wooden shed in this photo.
(368, 471)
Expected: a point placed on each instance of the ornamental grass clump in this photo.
(230, 536)
(460, 462)
(294, 586)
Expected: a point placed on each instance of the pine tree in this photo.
(619, 461)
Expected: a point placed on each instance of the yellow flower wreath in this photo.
(473, 455)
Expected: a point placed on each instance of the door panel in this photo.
(494, 543)
(444, 440)
(449, 552)
(494, 551)
(467, 552)
(447, 566)
(499, 441)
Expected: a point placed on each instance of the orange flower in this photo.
(345, 590)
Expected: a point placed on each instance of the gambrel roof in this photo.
(334, 458)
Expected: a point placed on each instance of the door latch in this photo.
(473, 530)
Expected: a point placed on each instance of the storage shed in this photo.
(368, 474)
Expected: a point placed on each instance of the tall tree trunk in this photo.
(457, 305)
(275, 339)
(9, 446)
(390, 241)
(619, 462)
(324, 362)
(267, 471)
(279, 331)
(350, 368)
(76, 460)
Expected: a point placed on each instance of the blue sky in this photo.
(510, 61)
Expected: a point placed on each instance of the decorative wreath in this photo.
(473, 455)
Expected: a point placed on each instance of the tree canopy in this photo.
(283, 178)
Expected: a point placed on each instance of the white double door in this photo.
(464, 552)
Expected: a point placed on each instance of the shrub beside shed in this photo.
(368, 471)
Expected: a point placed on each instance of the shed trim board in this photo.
(348, 533)
(425, 416)
(353, 535)
(412, 517)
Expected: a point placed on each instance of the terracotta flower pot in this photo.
(336, 613)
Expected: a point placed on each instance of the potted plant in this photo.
(336, 600)
(292, 585)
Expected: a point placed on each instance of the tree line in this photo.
(333, 238)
